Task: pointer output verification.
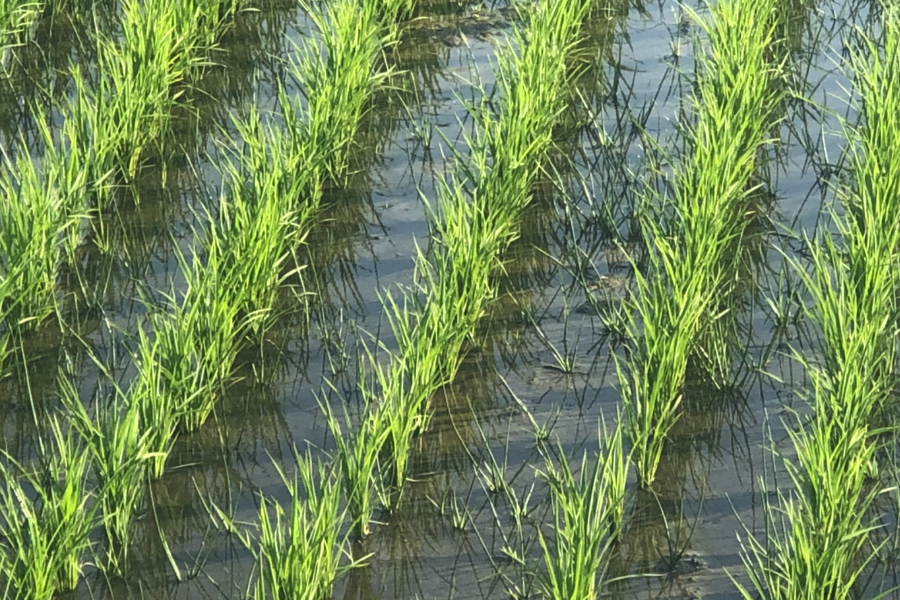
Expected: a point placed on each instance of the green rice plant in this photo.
(533, 83)
(299, 547)
(428, 356)
(338, 79)
(739, 97)
(853, 301)
(587, 510)
(197, 339)
(716, 189)
(15, 18)
(34, 222)
(358, 456)
(42, 204)
(261, 222)
(664, 319)
(822, 544)
(866, 269)
(7, 300)
(270, 200)
(678, 314)
(143, 74)
(130, 108)
(232, 283)
(119, 452)
(615, 463)
(400, 423)
(231, 287)
(45, 535)
(152, 393)
(818, 543)
(274, 183)
(391, 13)
(474, 221)
(273, 186)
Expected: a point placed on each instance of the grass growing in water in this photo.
(125, 116)
(273, 187)
(475, 220)
(116, 441)
(197, 340)
(358, 454)
(587, 518)
(45, 536)
(41, 202)
(673, 316)
(298, 548)
(16, 18)
(821, 546)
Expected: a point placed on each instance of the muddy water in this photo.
(638, 73)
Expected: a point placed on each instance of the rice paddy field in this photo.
(441, 299)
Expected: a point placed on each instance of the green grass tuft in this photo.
(695, 236)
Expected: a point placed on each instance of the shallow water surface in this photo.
(635, 87)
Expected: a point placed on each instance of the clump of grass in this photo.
(107, 130)
(231, 286)
(392, 13)
(43, 204)
(260, 222)
(273, 183)
(7, 298)
(45, 534)
(821, 545)
(359, 452)
(187, 359)
(339, 78)
(271, 197)
(43, 201)
(682, 299)
(299, 547)
(202, 333)
(587, 513)
(818, 544)
(125, 115)
(15, 19)
(34, 220)
(275, 180)
(171, 383)
(118, 447)
(475, 220)
(666, 316)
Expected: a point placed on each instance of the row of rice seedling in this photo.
(474, 221)
(105, 131)
(142, 72)
(300, 549)
(588, 511)
(90, 476)
(273, 186)
(47, 518)
(18, 19)
(819, 533)
(694, 236)
(41, 207)
(273, 192)
(44, 200)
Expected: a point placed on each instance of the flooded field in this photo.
(530, 312)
